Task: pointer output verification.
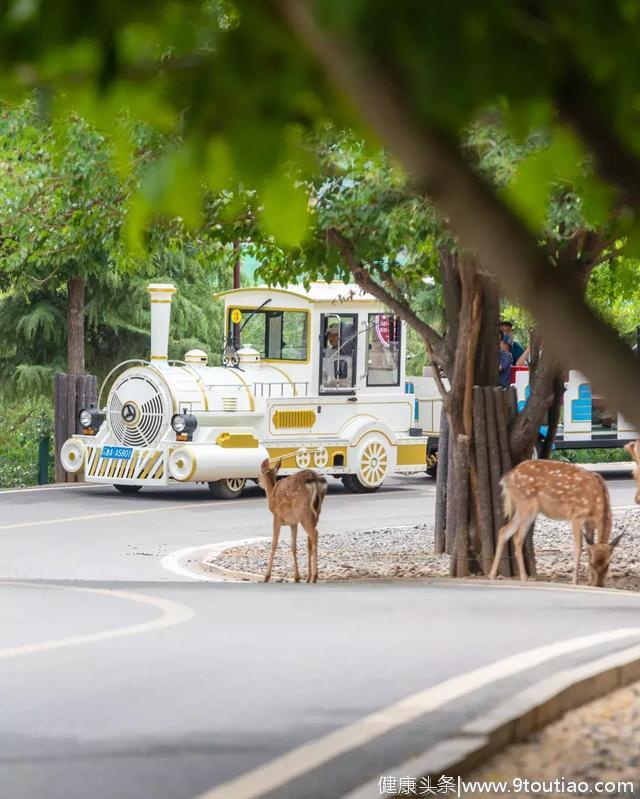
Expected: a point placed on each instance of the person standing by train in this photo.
(506, 329)
(505, 363)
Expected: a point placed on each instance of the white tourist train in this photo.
(309, 377)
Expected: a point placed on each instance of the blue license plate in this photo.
(120, 453)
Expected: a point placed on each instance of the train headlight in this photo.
(90, 420)
(184, 425)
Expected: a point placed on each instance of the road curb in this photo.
(515, 719)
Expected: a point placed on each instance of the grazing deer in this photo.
(633, 448)
(563, 492)
(294, 500)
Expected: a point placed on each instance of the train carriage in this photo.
(308, 377)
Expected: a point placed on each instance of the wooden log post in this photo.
(459, 556)
(450, 526)
(495, 472)
(71, 394)
(60, 405)
(441, 487)
(485, 511)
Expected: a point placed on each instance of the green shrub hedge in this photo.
(22, 425)
(595, 455)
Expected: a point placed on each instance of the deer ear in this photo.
(265, 466)
(615, 541)
(632, 449)
(588, 537)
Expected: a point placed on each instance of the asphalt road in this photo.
(121, 680)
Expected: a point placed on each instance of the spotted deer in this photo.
(294, 500)
(633, 448)
(564, 492)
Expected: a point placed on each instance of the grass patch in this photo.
(595, 455)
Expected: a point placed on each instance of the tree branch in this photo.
(527, 422)
(485, 226)
(432, 339)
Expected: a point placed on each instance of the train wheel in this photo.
(372, 463)
(432, 463)
(125, 488)
(229, 488)
(352, 483)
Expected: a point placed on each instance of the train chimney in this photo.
(160, 295)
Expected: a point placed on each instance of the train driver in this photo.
(337, 369)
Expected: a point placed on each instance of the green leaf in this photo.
(219, 164)
(285, 214)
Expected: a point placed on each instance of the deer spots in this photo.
(564, 492)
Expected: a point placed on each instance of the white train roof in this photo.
(318, 292)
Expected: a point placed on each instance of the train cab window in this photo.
(338, 352)
(278, 335)
(383, 350)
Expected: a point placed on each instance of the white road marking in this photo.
(171, 613)
(201, 504)
(313, 754)
(60, 487)
(171, 562)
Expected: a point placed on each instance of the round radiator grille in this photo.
(136, 411)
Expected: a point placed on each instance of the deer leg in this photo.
(309, 557)
(274, 546)
(294, 552)
(503, 536)
(518, 543)
(576, 529)
(313, 537)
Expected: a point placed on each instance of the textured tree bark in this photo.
(485, 510)
(60, 405)
(75, 325)
(71, 394)
(441, 486)
(495, 472)
(459, 559)
(450, 528)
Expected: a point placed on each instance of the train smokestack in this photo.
(160, 295)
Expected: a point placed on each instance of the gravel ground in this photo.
(597, 742)
(408, 552)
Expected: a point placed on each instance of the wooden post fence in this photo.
(71, 394)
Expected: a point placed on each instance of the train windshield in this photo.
(278, 335)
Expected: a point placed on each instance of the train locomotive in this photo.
(310, 378)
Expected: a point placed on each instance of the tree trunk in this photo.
(75, 325)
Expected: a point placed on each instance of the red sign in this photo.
(386, 329)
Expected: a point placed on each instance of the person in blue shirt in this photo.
(505, 364)
(506, 329)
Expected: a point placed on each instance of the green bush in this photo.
(22, 425)
(595, 455)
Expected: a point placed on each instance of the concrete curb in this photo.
(230, 575)
(515, 719)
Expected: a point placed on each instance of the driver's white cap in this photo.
(334, 329)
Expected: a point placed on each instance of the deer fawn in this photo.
(563, 492)
(633, 448)
(294, 500)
